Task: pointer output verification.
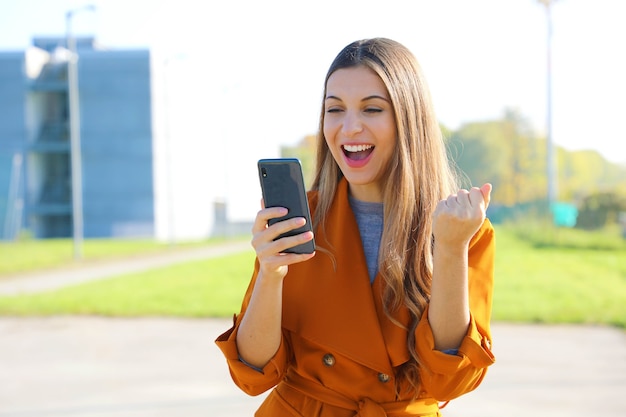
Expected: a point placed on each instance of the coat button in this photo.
(383, 377)
(328, 359)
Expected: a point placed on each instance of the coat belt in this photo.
(366, 407)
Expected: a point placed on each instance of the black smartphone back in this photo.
(282, 185)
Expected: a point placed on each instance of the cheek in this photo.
(386, 128)
(329, 132)
(387, 133)
(331, 147)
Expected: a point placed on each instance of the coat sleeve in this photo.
(446, 376)
(249, 379)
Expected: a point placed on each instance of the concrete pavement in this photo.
(100, 367)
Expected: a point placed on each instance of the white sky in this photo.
(480, 56)
(249, 73)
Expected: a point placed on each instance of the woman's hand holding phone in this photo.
(270, 249)
(282, 230)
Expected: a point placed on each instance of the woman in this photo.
(381, 321)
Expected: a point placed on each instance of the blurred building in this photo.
(116, 141)
(153, 164)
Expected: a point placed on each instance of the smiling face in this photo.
(360, 129)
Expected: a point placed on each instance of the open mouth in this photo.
(357, 152)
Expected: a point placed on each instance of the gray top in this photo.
(369, 217)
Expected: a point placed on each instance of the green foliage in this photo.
(600, 209)
(506, 153)
(584, 173)
(503, 153)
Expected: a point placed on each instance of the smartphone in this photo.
(282, 185)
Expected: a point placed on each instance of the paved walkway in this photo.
(161, 367)
(57, 278)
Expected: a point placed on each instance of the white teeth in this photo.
(357, 148)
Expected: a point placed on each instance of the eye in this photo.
(334, 110)
(373, 110)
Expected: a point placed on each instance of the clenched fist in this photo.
(457, 218)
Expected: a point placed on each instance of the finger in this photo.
(273, 253)
(285, 226)
(268, 235)
(450, 201)
(285, 259)
(463, 196)
(476, 197)
(282, 244)
(486, 192)
(264, 215)
(459, 200)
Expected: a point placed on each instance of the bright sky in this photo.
(250, 72)
(480, 56)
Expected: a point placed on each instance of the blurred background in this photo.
(137, 126)
(177, 100)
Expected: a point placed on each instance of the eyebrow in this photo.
(373, 96)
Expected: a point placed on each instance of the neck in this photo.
(368, 193)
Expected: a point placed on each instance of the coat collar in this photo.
(335, 306)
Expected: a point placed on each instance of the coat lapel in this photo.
(333, 306)
(395, 336)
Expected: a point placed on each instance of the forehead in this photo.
(359, 81)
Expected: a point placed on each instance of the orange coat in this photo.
(339, 351)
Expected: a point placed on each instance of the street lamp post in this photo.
(550, 151)
(75, 149)
(171, 232)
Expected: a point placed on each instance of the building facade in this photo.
(115, 95)
(12, 141)
(156, 161)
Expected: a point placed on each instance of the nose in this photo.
(352, 124)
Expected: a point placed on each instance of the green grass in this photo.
(540, 236)
(552, 284)
(213, 287)
(32, 255)
(570, 281)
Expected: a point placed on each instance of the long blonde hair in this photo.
(419, 170)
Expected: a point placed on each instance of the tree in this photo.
(501, 152)
(600, 209)
(508, 154)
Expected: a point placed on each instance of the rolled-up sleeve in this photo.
(447, 376)
(249, 379)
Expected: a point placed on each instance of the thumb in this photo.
(486, 191)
